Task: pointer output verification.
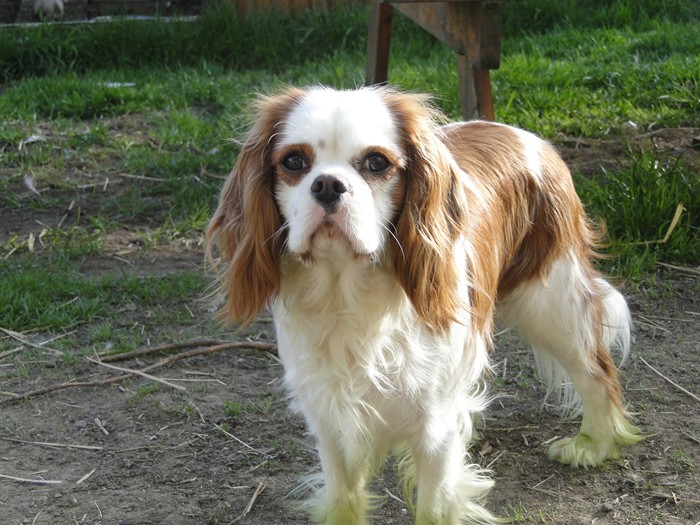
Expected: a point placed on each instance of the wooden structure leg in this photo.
(379, 42)
(472, 28)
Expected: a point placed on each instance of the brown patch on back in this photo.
(519, 221)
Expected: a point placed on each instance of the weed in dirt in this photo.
(146, 390)
(233, 409)
(681, 462)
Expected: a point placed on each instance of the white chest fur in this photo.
(356, 357)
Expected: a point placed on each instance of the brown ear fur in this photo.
(432, 218)
(246, 226)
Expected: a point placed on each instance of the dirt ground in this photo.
(226, 448)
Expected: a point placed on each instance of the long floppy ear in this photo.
(246, 225)
(432, 219)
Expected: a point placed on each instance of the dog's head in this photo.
(342, 175)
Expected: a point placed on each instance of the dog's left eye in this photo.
(376, 163)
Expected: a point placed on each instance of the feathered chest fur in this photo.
(350, 341)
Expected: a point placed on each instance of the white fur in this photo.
(531, 147)
(555, 318)
(47, 9)
(364, 371)
(363, 218)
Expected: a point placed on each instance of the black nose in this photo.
(328, 189)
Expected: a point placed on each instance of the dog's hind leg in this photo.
(573, 318)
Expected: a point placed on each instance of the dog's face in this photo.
(338, 174)
(361, 175)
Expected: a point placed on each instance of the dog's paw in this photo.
(595, 444)
(582, 451)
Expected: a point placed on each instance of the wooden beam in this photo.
(378, 43)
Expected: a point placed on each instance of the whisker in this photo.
(276, 235)
(384, 224)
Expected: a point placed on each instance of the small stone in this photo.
(81, 423)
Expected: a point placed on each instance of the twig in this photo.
(141, 177)
(61, 386)
(85, 477)
(494, 460)
(221, 345)
(545, 480)
(11, 394)
(47, 444)
(7, 353)
(25, 340)
(109, 358)
(394, 496)
(692, 271)
(670, 381)
(137, 372)
(545, 443)
(676, 217)
(510, 429)
(676, 499)
(649, 322)
(263, 347)
(101, 426)
(246, 445)
(249, 507)
(693, 438)
(35, 481)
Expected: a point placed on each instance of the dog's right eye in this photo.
(294, 162)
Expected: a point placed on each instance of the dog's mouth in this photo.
(331, 239)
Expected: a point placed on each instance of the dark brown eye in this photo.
(376, 163)
(294, 162)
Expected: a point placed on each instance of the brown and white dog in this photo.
(385, 247)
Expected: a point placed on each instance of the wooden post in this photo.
(378, 43)
(475, 90)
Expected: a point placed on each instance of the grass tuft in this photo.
(41, 295)
(638, 201)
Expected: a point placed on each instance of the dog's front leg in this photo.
(343, 500)
(449, 491)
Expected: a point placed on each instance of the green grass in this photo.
(635, 231)
(569, 70)
(40, 294)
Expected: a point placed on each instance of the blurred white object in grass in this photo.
(48, 9)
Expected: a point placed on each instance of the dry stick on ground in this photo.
(53, 445)
(679, 387)
(110, 358)
(137, 372)
(249, 507)
(262, 347)
(25, 340)
(34, 481)
(692, 271)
